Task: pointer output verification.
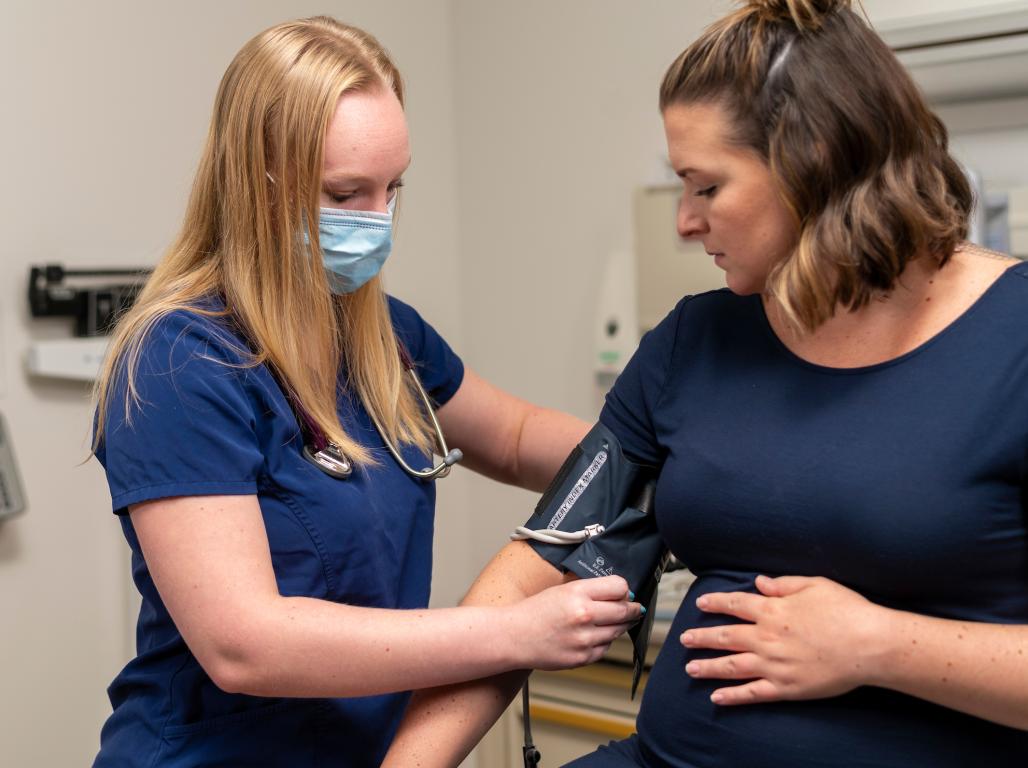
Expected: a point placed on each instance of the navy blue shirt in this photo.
(209, 425)
(905, 481)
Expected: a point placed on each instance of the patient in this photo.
(841, 435)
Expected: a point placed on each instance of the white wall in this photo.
(105, 106)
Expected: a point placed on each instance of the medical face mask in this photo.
(354, 245)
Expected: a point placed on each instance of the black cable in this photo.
(530, 754)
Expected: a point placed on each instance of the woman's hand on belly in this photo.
(809, 638)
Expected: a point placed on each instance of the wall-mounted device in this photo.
(12, 497)
(93, 299)
(1017, 221)
(616, 330)
(93, 307)
(640, 287)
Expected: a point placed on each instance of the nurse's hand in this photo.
(809, 638)
(572, 624)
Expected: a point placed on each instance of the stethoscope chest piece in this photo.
(329, 460)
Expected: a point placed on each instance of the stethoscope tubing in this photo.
(331, 460)
(450, 457)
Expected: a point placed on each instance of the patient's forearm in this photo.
(442, 725)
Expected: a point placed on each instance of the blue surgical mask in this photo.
(354, 245)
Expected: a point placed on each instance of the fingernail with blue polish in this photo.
(643, 609)
(631, 595)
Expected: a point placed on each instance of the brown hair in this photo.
(858, 157)
(254, 198)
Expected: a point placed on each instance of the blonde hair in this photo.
(255, 195)
(856, 154)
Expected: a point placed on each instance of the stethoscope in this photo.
(330, 459)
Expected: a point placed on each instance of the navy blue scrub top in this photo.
(207, 428)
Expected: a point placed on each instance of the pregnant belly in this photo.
(679, 725)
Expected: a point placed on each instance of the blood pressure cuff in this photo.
(598, 484)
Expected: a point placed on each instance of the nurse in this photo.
(283, 607)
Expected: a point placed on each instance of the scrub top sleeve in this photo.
(440, 370)
(630, 405)
(194, 431)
